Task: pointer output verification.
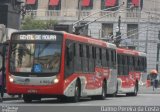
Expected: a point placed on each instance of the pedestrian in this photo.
(153, 77)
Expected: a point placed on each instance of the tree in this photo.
(30, 23)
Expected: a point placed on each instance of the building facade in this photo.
(139, 20)
(10, 13)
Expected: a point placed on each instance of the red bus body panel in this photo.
(92, 81)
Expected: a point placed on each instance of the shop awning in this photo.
(135, 2)
(53, 2)
(85, 2)
(110, 3)
(30, 2)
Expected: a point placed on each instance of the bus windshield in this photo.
(35, 56)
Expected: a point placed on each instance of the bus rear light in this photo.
(11, 79)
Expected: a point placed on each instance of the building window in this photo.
(109, 3)
(107, 31)
(136, 3)
(132, 31)
(132, 34)
(54, 5)
(87, 4)
(31, 4)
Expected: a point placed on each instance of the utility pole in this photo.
(146, 43)
(139, 16)
(158, 47)
(79, 9)
(118, 32)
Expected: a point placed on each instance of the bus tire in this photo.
(103, 93)
(77, 92)
(135, 91)
(63, 99)
(27, 98)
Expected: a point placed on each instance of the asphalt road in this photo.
(87, 105)
(147, 100)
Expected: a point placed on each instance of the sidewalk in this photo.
(148, 90)
(9, 97)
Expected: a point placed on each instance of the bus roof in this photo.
(130, 52)
(90, 40)
(85, 39)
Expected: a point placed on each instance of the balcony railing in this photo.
(76, 13)
(133, 13)
(52, 13)
(32, 13)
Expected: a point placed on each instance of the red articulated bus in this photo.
(58, 64)
(131, 70)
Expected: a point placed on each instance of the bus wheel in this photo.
(62, 99)
(103, 93)
(135, 90)
(76, 96)
(27, 98)
(104, 89)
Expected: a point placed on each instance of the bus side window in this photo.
(110, 61)
(145, 64)
(107, 57)
(91, 59)
(128, 64)
(78, 58)
(87, 58)
(140, 64)
(104, 60)
(134, 63)
(123, 64)
(112, 58)
(97, 57)
(119, 64)
(84, 59)
(100, 56)
(69, 58)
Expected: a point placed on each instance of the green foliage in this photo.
(29, 24)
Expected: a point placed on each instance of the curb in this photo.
(9, 98)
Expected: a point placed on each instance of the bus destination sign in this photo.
(36, 37)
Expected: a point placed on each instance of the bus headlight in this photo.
(56, 80)
(11, 79)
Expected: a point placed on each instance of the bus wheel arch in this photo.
(135, 92)
(77, 92)
(104, 90)
(137, 86)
